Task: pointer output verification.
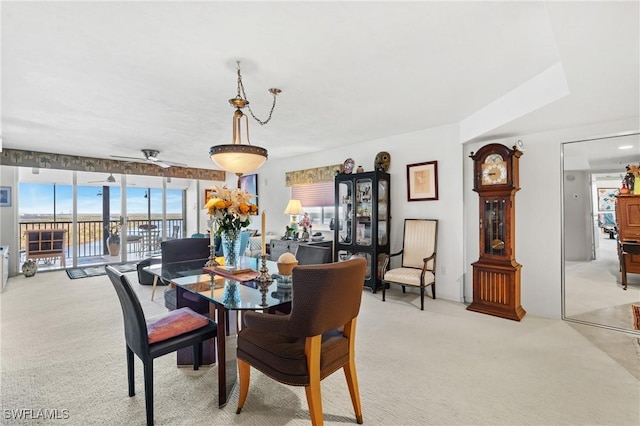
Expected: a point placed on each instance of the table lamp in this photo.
(294, 208)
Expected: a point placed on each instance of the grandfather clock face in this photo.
(494, 170)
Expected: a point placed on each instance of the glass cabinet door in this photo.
(344, 214)
(364, 195)
(494, 227)
(383, 211)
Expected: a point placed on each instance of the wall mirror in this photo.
(592, 291)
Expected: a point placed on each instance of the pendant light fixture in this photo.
(237, 157)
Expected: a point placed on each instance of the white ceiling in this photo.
(102, 78)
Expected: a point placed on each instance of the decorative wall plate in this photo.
(382, 161)
(348, 165)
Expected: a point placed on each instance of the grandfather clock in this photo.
(496, 274)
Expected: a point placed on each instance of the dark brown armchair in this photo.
(316, 339)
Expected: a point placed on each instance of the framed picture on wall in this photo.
(607, 198)
(249, 183)
(422, 181)
(5, 196)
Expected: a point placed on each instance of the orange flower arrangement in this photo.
(230, 208)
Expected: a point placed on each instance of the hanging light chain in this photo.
(243, 95)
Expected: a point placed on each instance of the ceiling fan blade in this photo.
(138, 159)
(172, 164)
(165, 164)
(152, 159)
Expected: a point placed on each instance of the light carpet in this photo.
(62, 347)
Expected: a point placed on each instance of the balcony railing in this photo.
(92, 235)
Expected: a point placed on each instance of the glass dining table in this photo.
(227, 297)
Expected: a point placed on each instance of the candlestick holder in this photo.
(212, 257)
(264, 278)
(263, 292)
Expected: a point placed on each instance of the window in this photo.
(317, 199)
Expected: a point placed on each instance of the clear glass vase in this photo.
(231, 295)
(231, 248)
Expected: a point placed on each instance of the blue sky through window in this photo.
(37, 199)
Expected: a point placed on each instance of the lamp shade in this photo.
(294, 207)
(237, 158)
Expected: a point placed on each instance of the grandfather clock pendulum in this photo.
(496, 274)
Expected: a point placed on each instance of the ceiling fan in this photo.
(151, 157)
(109, 179)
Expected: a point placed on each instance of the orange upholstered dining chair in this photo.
(313, 341)
(157, 336)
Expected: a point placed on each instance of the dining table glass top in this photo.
(227, 292)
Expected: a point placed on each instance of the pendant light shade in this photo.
(237, 157)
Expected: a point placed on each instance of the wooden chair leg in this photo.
(422, 298)
(153, 288)
(312, 350)
(244, 373)
(148, 390)
(130, 373)
(352, 383)
(433, 290)
(384, 287)
(314, 397)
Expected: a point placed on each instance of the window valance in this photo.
(315, 175)
(20, 158)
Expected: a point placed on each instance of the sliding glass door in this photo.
(102, 226)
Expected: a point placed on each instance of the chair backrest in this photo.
(182, 249)
(244, 241)
(326, 297)
(313, 255)
(135, 327)
(419, 241)
(198, 235)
